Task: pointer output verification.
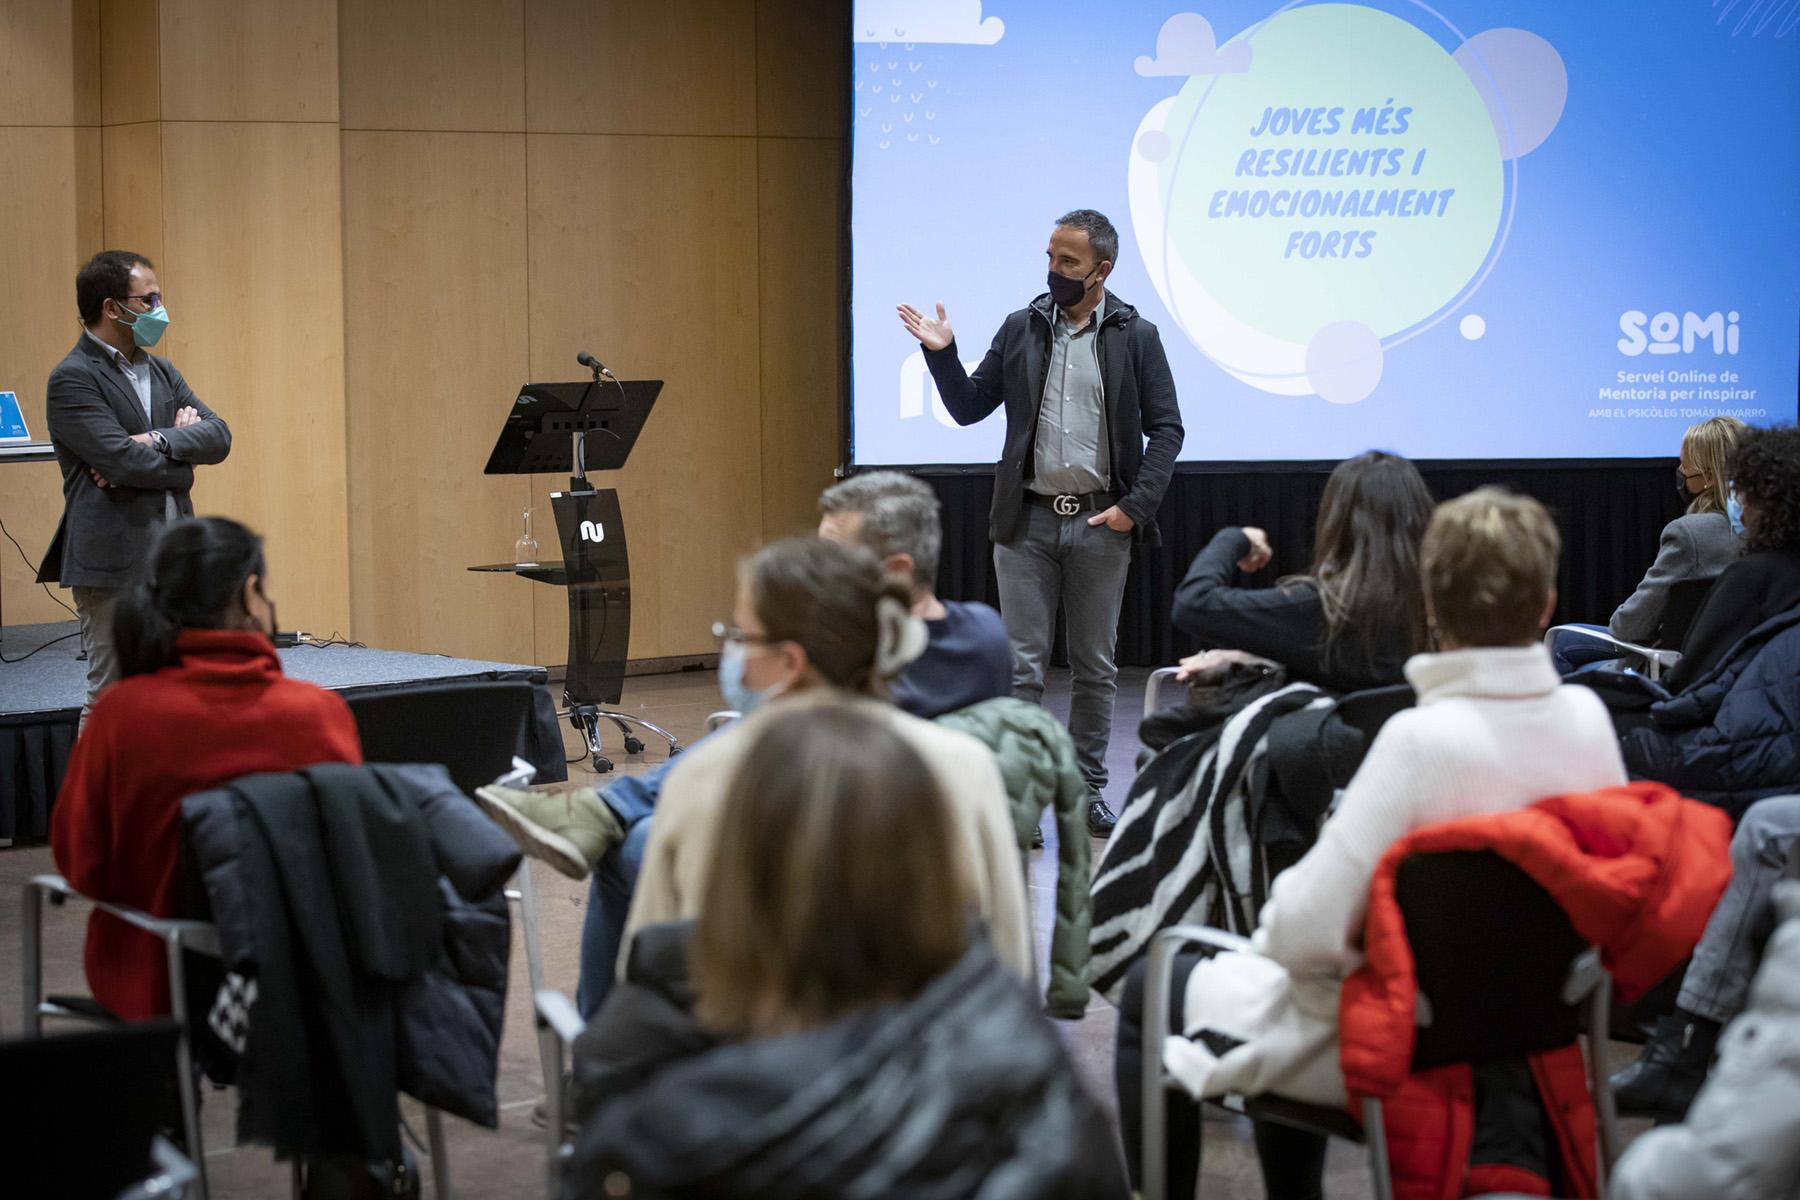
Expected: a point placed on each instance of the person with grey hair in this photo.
(898, 519)
(1092, 430)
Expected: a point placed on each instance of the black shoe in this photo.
(1100, 818)
(1667, 1076)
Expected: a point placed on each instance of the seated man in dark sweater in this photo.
(897, 518)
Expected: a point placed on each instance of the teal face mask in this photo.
(1734, 512)
(147, 329)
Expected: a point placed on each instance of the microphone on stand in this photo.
(595, 365)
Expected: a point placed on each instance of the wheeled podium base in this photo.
(587, 719)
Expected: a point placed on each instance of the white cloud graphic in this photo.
(1186, 45)
(957, 22)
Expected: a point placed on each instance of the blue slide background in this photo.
(1672, 182)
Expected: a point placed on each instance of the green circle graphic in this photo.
(1347, 57)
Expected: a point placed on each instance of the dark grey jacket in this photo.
(367, 902)
(1694, 546)
(1138, 396)
(93, 411)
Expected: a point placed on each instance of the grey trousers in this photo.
(1064, 561)
(1717, 983)
(94, 606)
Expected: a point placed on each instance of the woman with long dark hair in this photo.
(202, 701)
(1355, 617)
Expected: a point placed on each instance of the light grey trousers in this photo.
(1717, 983)
(1052, 562)
(94, 607)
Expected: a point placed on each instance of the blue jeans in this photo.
(603, 928)
(633, 799)
(1717, 983)
(1569, 650)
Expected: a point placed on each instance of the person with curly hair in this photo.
(1729, 735)
(1765, 504)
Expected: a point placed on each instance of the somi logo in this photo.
(1666, 333)
(593, 531)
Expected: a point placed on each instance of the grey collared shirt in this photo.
(138, 373)
(1071, 454)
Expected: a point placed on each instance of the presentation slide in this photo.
(1467, 229)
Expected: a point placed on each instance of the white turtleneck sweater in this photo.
(1494, 730)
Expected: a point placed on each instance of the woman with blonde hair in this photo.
(1700, 543)
(833, 1022)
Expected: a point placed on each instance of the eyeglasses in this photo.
(1684, 476)
(153, 299)
(723, 633)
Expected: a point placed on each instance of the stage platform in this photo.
(40, 703)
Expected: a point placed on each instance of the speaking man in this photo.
(128, 433)
(1085, 384)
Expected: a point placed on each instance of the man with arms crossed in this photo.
(1084, 382)
(128, 433)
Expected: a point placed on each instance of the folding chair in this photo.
(1153, 688)
(1501, 974)
(1683, 602)
(179, 937)
(558, 1025)
(1655, 661)
(115, 1149)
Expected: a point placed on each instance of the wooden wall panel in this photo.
(49, 226)
(49, 62)
(433, 64)
(434, 306)
(134, 188)
(675, 66)
(252, 267)
(798, 257)
(801, 49)
(130, 73)
(249, 60)
(643, 251)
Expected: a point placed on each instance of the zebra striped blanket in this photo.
(1186, 849)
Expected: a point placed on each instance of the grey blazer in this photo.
(1694, 546)
(93, 411)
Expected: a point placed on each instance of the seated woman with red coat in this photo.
(203, 701)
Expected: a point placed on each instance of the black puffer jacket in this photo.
(373, 921)
(1732, 736)
(964, 1091)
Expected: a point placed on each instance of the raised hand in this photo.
(932, 334)
(1260, 552)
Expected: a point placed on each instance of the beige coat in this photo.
(685, 826)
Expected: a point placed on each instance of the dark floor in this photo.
(509, 1162)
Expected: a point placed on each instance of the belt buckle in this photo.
(1066, 505)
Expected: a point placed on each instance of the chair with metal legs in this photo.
(179, 937)
(1477, 926)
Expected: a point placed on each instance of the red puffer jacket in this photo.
(1637, 868)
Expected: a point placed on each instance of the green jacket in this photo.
(1037, 764)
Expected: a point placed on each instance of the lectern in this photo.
(576, 427)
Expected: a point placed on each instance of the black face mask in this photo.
(1065, 292)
